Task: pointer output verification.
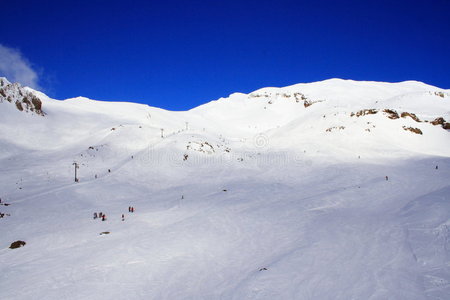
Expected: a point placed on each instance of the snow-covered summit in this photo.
(333, 112)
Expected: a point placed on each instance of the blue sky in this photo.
(179, 54)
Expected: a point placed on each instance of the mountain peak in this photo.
(23, 98)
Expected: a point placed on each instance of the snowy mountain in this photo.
(329, 190)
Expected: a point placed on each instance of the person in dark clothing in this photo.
(123, 217)
(100, 214)
(387, 178)
(436, 169)
(103, 217)
(95, 216)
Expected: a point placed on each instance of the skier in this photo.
(132, 209)
(387, 178)
(436, 169)
(95, 216)
(103, 217)
(123, 217)
(100, 214)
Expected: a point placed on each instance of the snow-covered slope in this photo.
(278, 194)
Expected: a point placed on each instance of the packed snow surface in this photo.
(312, 191)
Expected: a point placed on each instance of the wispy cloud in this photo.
(17, 68)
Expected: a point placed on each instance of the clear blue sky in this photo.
(179, 54)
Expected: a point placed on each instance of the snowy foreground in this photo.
(279, 194)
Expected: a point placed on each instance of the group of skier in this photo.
(102, 216)
(3, 214)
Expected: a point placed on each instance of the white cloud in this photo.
(16, 68)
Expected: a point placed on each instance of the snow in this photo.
(268, 204)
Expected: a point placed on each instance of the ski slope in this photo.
(258, 196)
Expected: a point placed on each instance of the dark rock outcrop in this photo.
(24, 99)
(17, 244)
(392, 114)
(411, 115)
(415, 130)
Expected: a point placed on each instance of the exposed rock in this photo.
(411, 115)
(299, 96)
(392, 114)
(272, 96)
(23, 99)
(19, 106)
(26, 101)
(415, 130)
(335, 128)
(204, 147)
(37, 103)
(308, 103)
(364, 112)
(440, 94)
(438, 121)
(17, 244)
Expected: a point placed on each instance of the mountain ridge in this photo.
(324, 109)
